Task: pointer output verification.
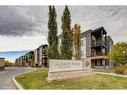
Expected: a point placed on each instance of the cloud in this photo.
(21, 43)
(113, 18)
(19, 21)
(32, 20)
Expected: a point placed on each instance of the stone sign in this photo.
(86, 63)
(64, 65)
(68, 65)
(62, 69)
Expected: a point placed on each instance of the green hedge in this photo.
(120, 69)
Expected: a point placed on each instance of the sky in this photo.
(25, 28)
(12, 55)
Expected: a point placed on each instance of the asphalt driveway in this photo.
(7, 75)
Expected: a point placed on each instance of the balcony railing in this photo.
(94, 55)
(97, 43)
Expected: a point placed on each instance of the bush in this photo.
(120, 69)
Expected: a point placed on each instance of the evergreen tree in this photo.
(76, 41)
(52, 34)
(67, 35)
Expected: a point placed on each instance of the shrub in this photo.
(120, 69)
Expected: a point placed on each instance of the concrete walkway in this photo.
(7, 75)
(112, 74)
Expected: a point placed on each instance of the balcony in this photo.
(98, 43)
(98, 56)
(101, 54)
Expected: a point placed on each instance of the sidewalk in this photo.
(112, 74)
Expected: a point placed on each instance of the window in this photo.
(103, 62)
(110, 46)
(103, 51)
(83, 53)
(82, 42)
(103, 38)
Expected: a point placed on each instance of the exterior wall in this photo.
(83, 47)
(86, 48)
(35, 57)
(109, 44)
(30, 58)
(31, 62)
(20, 61)
(23, 61)
(17, 62)
(44, 56)
(88, 45)
(40, 55)
(26, 59)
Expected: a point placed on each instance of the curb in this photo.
(17, 84)
(111, 74)
(19, 87)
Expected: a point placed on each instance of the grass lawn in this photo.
(105, 70)
(37, 80)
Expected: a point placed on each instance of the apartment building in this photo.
(38, 57)
(26, 60)
(29, 59)
(41, 56)
(95, 44)
(17, 62)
